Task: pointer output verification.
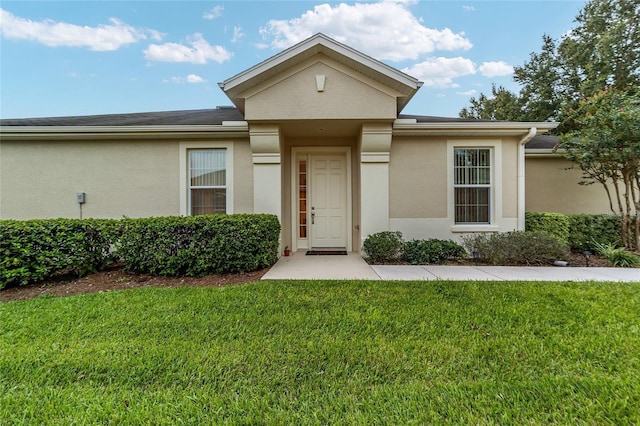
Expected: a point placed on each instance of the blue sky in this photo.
(99, 57)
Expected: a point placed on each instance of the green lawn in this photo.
(325, 352)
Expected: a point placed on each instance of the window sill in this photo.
(474, 228)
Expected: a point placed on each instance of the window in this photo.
(302, 199)
(472, 185)
(207, 181)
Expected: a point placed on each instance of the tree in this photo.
(602, 51)
(502, 105)
(542, 92)
(605, 145)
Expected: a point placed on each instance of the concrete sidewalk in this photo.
(301, 267)
(298, 266)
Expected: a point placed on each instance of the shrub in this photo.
(420, 252)
(554, 224)
(199, 245)
(386, 246)
(35, 250)
(587, 229)
(516, 247)
(617, 256)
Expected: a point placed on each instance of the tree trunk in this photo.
(624, 229)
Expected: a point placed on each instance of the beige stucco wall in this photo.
(120, 178)
(421, 204)
(418, 178)
(40, 179)
(242, 177)
(295, 95)
(510, 178)
(552, 188)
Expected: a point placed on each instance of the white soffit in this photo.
(403, 127)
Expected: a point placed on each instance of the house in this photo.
(316, 137)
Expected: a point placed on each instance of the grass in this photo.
(349, 352)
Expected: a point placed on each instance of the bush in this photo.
(420, 252)
(515, 248)
(554, 224)
(617, 256)
(585, 230)
(386, 246)
(35, 250)
(199, 245)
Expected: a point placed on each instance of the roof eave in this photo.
(502, 128)
(227, 129)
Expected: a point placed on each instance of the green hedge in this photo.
(432, 250)
(389, 247)
(199, 245)
(586, 231)
(383, 247)
(583, 231)
(554, 224)
(515, 248)
(35, 250)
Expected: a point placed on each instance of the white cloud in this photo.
(213, 13)
(384, 30)
(495, 69)
(191, 78)
(440, 72)
(238, 34)
(199, 51)
(467, 93)
(468, 8)
(50, 33)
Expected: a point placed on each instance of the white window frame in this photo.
(495, 191)
(185, 186)
(467, 171)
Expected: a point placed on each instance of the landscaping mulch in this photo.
(117, 279)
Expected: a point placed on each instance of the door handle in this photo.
(313, 215)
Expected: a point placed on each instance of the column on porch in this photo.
(375, 145)
(267, 175)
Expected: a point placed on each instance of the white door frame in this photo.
(299, 151)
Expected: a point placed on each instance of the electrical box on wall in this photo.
(81, 196)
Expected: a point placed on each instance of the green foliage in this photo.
(326, 352)
(422, 252)
(35, 250)
(515, 248)
(588, 229)
(554, 224)
(602, 50)
(605, 145)
(500, 105)
(386, 246)
(618, 256)
(199, 245)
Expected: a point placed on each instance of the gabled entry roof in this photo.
(321, 44)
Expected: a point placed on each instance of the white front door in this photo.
(328, 206)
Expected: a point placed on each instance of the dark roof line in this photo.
(161, 118)
(210, 117)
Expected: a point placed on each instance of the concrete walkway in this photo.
(301, 267)
(298, 266)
